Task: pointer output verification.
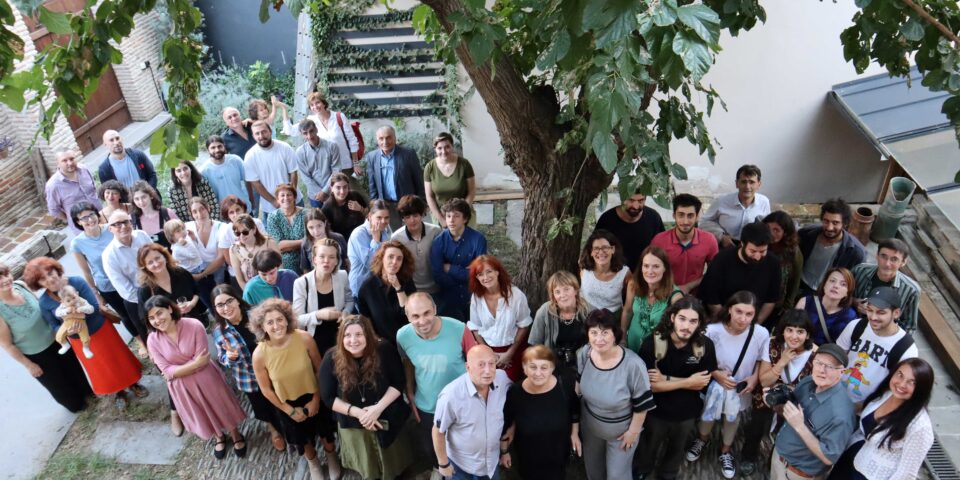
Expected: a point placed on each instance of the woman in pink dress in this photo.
(178, 346)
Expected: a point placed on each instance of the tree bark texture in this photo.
(526, 121)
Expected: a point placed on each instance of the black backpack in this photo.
(899, 348)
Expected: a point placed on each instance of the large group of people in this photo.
(354, 325)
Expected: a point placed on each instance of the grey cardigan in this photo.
(305, 298)
(544, 329)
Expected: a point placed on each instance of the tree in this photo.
(569, 84)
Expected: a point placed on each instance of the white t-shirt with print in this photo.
(867, 359)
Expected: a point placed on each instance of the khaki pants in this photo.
(779, 471)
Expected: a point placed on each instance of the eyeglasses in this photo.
(121, 223)
(229, 301)
(826, 366)
(603, 249)
(242, 233)
(87, 218)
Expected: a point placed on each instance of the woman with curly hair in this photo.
(186, 183)
(383, 295)
(361, 380)
(499, 314)
(784, 241)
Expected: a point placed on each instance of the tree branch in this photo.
(933, 21)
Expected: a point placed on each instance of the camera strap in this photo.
(743, 352)
(823, 321)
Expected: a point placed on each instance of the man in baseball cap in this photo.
(875, 344)
(819, 424)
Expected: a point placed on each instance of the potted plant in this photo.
(6, 144)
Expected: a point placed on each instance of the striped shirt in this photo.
(908, 290)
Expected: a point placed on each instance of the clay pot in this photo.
(862, 223)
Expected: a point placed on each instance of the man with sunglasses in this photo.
(120, 264)
(820, 420)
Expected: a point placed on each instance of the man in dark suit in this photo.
(393, 171)
(127, 165)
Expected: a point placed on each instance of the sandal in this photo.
(278, 442)
(242, 451)
(219, 454)
(139, 391)
(176, 425)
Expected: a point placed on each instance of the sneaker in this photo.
(747, 468)
(64, 349)
(728, 466)
(87, 353)
(695, 449)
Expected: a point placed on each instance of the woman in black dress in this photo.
(541, 418)
(383, 294)
(322, 295)
(160, 275)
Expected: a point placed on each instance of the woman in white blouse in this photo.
(499, 314)
(894, 427)
(207, 231)
(603, 275)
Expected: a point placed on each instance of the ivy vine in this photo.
(334, 53)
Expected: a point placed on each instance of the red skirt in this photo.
(515, 372)
(113, 366)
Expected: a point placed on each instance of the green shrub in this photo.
(221, 88)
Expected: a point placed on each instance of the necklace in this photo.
(567, 321)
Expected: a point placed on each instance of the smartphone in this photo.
(385, 424)
(741, 386)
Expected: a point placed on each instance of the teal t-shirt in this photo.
(436, 362)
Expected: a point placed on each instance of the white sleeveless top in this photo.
(600, 294)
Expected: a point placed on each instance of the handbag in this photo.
(110, 315)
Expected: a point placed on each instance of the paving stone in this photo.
(515, 221)
(138, 443)
(484, 213)
(158, 390)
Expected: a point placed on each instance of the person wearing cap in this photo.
(820, 420)
(891, 258)
(874, 344)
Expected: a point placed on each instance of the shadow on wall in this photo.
(236, 37)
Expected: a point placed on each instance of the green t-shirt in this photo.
(31, 335)
(454, 186)
(436, 362)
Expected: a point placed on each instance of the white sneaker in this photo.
(87, 353)
(728, 467)
(64, 349)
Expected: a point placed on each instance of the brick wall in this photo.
(138, 88)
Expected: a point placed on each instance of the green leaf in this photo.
(421, 15)
(265, 10)
(12, 97)
(678, 171)
(481, 47)
(912, 29)
(664, 15)
(622, 25)
(702, 20)
(695, 54)
(626, 186)
(605, 150)
(555, 52)
(158, 142)
(862, 3)
(553, 229)
(56, 22)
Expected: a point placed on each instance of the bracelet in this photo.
(348, 410)
(504, 452)
(444, 465)
(293, 411)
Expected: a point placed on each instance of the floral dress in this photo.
(280, 229)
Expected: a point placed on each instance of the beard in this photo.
(218, 155)
(633, 212)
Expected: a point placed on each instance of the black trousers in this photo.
(753, 433)
(63, 377)
(673, 436)
(133, 311)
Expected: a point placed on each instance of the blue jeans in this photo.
(315, 203)
(459, 474)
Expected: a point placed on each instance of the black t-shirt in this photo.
(325, 334)
(183, 285)
(633, 236)
(682, 404)
(378, 302)
(235, 144)
(542, 438)
(248, 337)
(342, 219)
(727, 275)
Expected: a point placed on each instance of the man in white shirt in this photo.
(268, 164)
(120, 265)
(729, 213)
(875, 344)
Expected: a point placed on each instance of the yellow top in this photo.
(291, 370)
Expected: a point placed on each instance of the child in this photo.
(73, 310)
(184, 246)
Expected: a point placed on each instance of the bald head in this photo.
(113, 143)
(120, 226)
(422, 314)
(231, 117)
(481, 366)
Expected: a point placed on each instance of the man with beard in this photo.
(828, 245)
(268, 164)
(68, 186)
(729, 213)
(680, 360)
(225, 172)
(745, 268)
(126, 165)
(688, 247)
(633, 224)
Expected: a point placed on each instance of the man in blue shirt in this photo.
(126, 165)
(820, 420)
(394, 171)
(450, 258)
(271, 280)
(225, 173)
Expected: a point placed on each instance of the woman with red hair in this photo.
(499, 315)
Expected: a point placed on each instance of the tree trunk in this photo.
(526, 121)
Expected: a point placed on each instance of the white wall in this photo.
(774, 80)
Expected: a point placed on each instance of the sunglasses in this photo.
(242, 232)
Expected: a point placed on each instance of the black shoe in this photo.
(640, 476)
(219, 454)
(242, 451)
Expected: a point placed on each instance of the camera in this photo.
(779, 395)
